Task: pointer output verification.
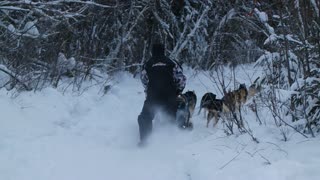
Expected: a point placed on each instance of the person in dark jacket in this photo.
(163, 80)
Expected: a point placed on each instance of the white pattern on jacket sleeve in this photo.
(179, 78)
(144, 78)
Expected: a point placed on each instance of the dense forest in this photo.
(43, 41)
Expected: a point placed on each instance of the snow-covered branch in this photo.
(180, 46)
(54, 2)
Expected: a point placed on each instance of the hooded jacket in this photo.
(161, 76)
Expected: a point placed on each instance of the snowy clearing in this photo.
(50, 135)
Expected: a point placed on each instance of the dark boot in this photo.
(145, 126)
(145, 120)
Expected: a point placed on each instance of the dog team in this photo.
(163, 81)
(213, 107)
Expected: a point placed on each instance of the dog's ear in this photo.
(242, 86)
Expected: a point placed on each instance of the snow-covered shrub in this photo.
(307, 101)
(291, 62)
(64, 66)
(4, 77)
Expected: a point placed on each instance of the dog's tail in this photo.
(202, 104)
(200, 109)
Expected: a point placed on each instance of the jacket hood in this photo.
(157, 50)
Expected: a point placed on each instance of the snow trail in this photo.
(54, 136)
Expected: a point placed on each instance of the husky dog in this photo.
(231, 101)
(211, 105)
(252, 91)
(192, 101)
(235, 99)
(206, 100)
(241, 94)
(186, 104)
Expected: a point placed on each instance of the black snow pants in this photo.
(151, 106)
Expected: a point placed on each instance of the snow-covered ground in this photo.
(54, 135)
